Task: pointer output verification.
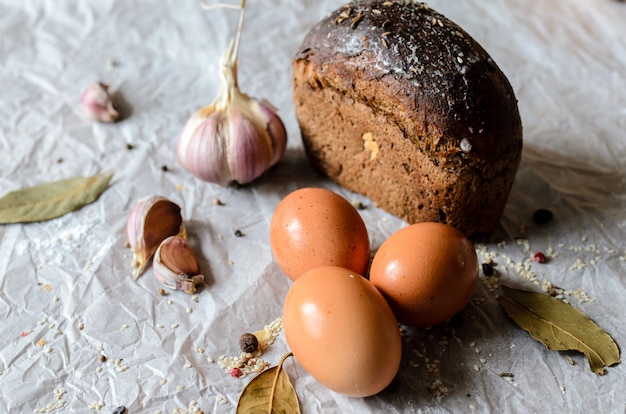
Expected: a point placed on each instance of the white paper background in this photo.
(566, 61)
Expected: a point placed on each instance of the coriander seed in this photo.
(248, 343)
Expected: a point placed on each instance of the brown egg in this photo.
(427, 272)
(342, 332)
(314, 227)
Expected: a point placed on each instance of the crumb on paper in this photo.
(578, 264)
(119, 366)
(96, 405)
(221, 399)
(437, 389)
(59, 403)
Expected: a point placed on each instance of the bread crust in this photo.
(398, 103)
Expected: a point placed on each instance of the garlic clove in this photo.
(152, 220)
(276, 130)
(97, 103)
(176, 266)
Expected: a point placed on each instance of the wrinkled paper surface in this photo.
(566, 61)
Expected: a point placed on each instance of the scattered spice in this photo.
(252, 362)
(164, 168)
(162, 292)
(102, 358)
(539, 257)
(487, 269)
(542, 216)
(130, 146)
(120, 410)
(217, 202)
(238, 233)
(248, 343)
(235, 372)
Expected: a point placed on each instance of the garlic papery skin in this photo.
(97, 103)
(176, 266)
(233, 140)
(152, 220)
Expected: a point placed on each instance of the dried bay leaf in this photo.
(270, 392)
(51, 200)
(560, 327)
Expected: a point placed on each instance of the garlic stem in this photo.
(236, 138)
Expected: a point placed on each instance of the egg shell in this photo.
(313, 227)
(426, 271)
(342, 331)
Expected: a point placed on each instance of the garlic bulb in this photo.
(152, 220)
(236, 138)
(97, 103)
(176, 266)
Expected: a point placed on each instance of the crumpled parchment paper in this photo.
(66, 290)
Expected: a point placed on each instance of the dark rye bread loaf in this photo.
(400, 104)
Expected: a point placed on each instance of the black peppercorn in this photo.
(487, 269)
(248, 343)
(542, 216)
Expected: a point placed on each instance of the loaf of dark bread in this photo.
(398, 103)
